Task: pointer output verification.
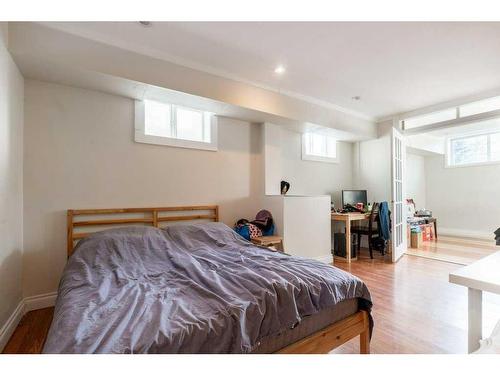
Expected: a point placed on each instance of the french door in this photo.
(398, 196)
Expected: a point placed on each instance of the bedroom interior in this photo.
(175, 187)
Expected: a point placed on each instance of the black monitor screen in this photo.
(354, 196)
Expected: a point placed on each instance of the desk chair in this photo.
(371, 230)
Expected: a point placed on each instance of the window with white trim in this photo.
(429, 118)
(481, 108)
(473, 150)
(173, 125)
(319, 147)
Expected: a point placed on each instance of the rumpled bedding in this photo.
(191, 288)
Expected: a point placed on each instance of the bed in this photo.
(134, 285)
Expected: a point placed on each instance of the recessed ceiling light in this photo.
(280, 69)
(356, 97)
(146, 23)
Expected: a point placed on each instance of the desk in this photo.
(478, 277)
(348, 218)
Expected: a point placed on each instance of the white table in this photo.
(478, 277)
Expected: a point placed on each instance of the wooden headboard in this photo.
(112, 217)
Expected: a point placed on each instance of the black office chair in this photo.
(371, 230)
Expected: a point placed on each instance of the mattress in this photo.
(307, 326)
(197, 288)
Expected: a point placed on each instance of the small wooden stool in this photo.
(269, 241)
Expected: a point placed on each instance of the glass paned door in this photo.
(398, 188)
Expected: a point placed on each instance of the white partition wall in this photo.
(304, 222)
(307, 224)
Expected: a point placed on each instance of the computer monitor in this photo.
(354, 196)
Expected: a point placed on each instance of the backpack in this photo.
(247, 230)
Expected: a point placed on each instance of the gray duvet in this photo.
(196, 288)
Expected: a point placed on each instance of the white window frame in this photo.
(454, 111)
(459, 118)
(448, 156)
(324, 159)
(140, 135)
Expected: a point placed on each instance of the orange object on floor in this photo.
(427, 232)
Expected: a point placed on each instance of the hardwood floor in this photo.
(455, 250)
(30, 334)
(416, 309)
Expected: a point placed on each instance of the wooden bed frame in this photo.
(322, 341)
(152, 216)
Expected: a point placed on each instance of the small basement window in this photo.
(430, 118)
(481, 108)
(319, 147)
(473, 150)
(172, 125)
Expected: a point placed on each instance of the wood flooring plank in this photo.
(30, 334)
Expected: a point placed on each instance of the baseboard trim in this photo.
(27, 304)
(40, 301)
(10, 325)
(480, 235)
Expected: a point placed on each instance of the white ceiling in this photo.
(394, 67)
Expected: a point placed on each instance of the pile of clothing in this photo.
(263, 225)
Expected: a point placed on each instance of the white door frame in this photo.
(398, 161)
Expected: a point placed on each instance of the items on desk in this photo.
(415, 221)
(351, 208)
(423, 213)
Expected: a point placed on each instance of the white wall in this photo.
(11, 182)
(79, 153)
(304, 215)
(426, 143)
(283, 161)
(464, 200)
(372, 168)
(416, 184)
(295, 217)
(4, 34)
